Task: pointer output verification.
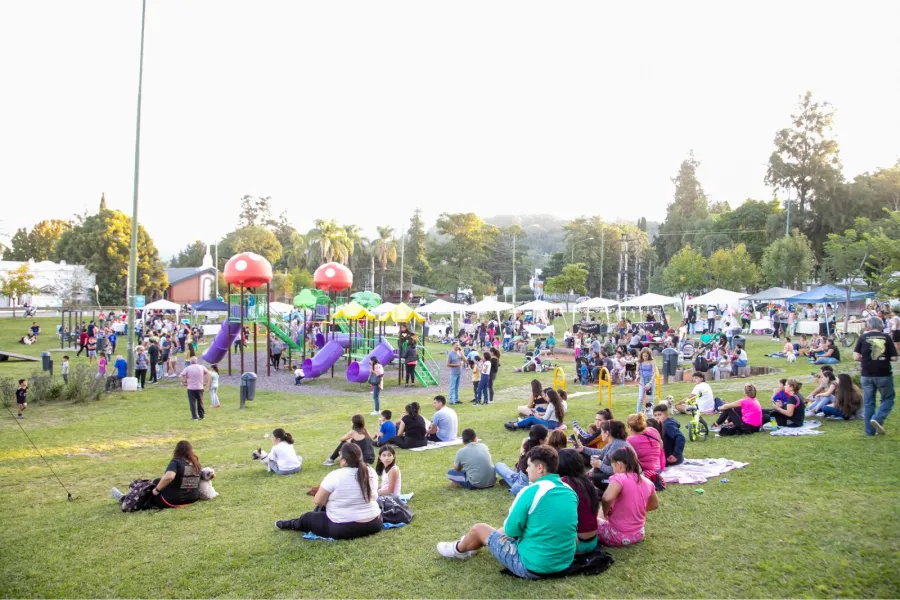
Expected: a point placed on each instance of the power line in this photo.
(19, 423)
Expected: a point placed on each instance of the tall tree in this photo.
(255, 211)
(572, 279)
(356, 242)
(732, 269)
(688, 206)
(20, 246)
(788, 261)
(284, 233)
(385, 251)
(250, 239)
(39, 243)
(329, 241)
(463, 252)
(685, 273)
(882, 237)
(416, 257)
(19, 281)
(102, 242)
(191, 256)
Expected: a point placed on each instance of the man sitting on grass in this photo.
(538, 537)
(472, 467)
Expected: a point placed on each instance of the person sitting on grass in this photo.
(358, 435)
(282, 459)
(444, 423)
(539, 535)
(557, 440)
(592, 436)
(673, 439)
(625, 502)
(472, 467)
(551, 419)
(706, 402)
(848, 399)
(349, 497)
(387, 469)
(823, 395)
(571, 472)
(647, 443)
(789, 413)
(518, 479)
(741, 416)
(536, 402)
(411, 430)
(829, 356)
(387, 428)
(614, 435)
(179, 485)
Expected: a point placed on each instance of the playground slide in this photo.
(284, 336)
(358, 371)
(322, 361)
(225, 338)
(342, 338)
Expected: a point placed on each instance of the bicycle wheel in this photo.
(702, 430)
(690, 432)
(849, 340)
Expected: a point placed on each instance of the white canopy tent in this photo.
(719, 297)
(649, 300)
(442, 307)
(162, 305)
(281, 308)
(543, 305)
(383, 309)
(489, 305)
(595, 303)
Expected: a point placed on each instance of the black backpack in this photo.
(701, 365)
(393, 510)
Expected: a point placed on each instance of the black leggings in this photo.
(780, 419)
(337, 452)
(153, 364)
(276, 360)
(410, 373)
(401, 441)
(491, 387)
(734, 415)
(319, 524)
(141, 375)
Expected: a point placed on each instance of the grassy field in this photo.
(809, 517)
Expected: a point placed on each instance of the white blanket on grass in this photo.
(698, 470)
(434, 445)
(808, 428)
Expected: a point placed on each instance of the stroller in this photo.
(687, 351)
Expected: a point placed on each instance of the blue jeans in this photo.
(274, 468)
(506, 550)
(870, 386)
(529, 421)
(831, 411)
(517, 481)
(826, 360)
(454, 388)
(820, 403)
(717, 403)
(482, 389)
(643, 396)
(459, 478)
(736, 364)
(376, 395)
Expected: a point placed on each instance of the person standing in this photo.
(454, 365)
(195, 377)
(711, 319)
(875, 350)
(141, 362)
(412, 359)
(894, 323)
(153, 352)
(376, 380)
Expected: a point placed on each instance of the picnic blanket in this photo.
(311, 536)
(808, 428)
(698, 470)
(434, 445)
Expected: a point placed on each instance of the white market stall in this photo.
(489, 305)
(649, 300)
(543, 305)
(773, 294)
(825, 295)
(719, 297)
(595, 304)
(442, 307)
(161, 305)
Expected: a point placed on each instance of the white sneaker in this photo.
(116, 494)
(328, 463)
(448, 550)
(879, 428)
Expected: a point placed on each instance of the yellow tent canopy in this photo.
(353, 310)
(402, 313)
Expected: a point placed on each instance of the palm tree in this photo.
(385, 250)
(296, 253)
(356, 241)
(331, 240)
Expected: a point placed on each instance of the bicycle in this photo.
(697, 428)
(846, 340)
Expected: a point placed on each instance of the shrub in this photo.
(84, 384)
(8, 387)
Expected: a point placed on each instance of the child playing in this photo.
(22, 396)
(65, 369)
(387, 428)
(388, 471)
(101, 367)
(583, 371)
(214, 386)
(475, 365)
(91, 349)
(626, 501)
(298, 376)
(485, 379)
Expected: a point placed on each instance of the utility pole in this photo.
(787, 225)
(637, 262)
(132, 261)
(514, 267)
(402, 253)
(619, 281)
(602, 252)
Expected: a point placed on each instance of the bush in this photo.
(84, 384)
(39, 385)
(7, 391)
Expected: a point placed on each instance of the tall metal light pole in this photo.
(132, 262)
(514, 267)
(602, 252)
(787, 224)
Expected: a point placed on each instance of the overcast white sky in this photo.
(363, 110)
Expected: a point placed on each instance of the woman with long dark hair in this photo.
(349, 498)
(847, 399)
(411, 432)
(626, 501)
(179, 485)
(536, 401)
(358, 435)
(571, 471)
(282, 458)
(551, 418)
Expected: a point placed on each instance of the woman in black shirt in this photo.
(411, 432)
(179, 485)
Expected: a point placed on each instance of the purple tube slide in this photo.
(321, 362)
(225, 338)
(358, 372)
(342, 338)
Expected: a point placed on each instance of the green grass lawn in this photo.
(813, 517)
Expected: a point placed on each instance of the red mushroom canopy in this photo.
(249, 269)
(333, 277)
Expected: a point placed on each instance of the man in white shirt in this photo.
(706, 402)
(444, 423)
(711, 319)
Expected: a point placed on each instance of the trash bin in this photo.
(46, 362)
(670, 362)
(739, 339)
(248, 386)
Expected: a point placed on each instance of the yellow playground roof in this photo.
(402, 313)
(353, 310)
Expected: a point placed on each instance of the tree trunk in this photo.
(372, 275)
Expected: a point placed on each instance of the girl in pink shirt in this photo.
(743, 416)
(647, 443)
(625, 502)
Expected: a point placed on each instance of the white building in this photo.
(55, 283)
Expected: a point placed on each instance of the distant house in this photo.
(192, 284)
(54, 283)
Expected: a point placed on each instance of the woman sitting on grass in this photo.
(518, 479)
(648, 446)
(741, 416)
(411, 430)
(349, 497)
(626, 501)
(557, 440)
(592, 437)
(179, 485)
(791, 412)
(823, 395)
(551, 419)
(614, 437)
(847, 399)
(537, 404)
(282, 459)
(389, 472)
(358, 435)
(571, 471)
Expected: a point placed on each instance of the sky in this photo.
(362, 111)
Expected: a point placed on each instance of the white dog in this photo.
(207, 491)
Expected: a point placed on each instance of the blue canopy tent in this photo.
(830, 293)
(210, 306)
